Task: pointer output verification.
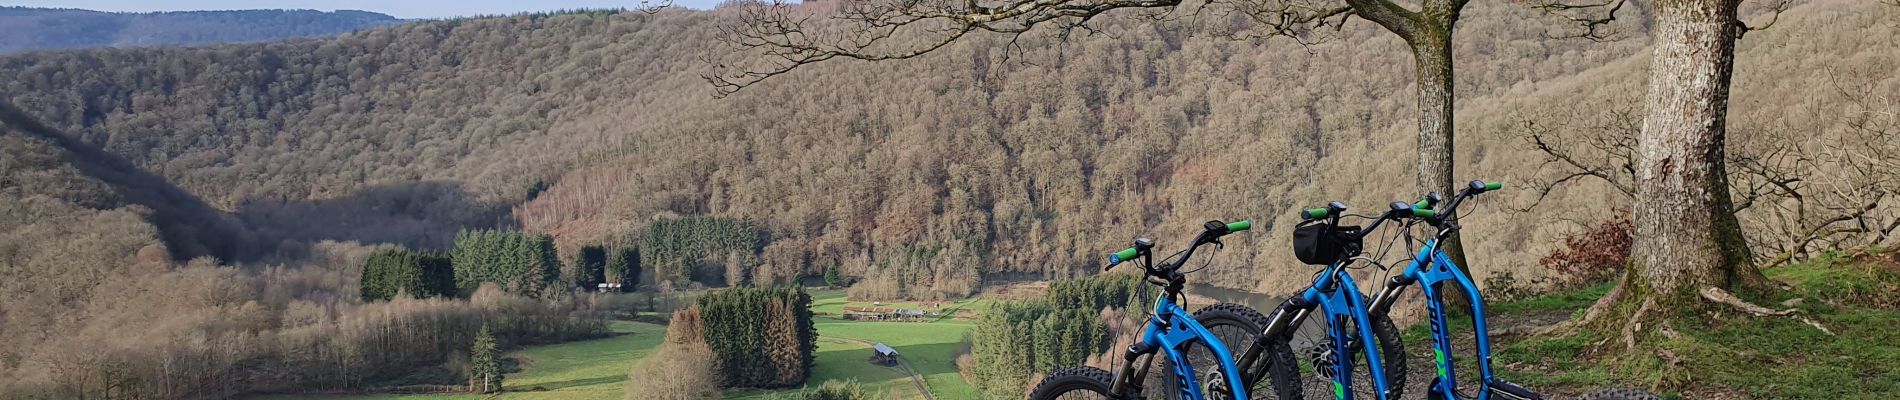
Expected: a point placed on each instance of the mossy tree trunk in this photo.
(1427, 32)
(1688, 253)
(1687, 236)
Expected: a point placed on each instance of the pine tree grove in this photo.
(518, 262)
(590, 267)
(624, 267)
(674, 247)
(1017, 339)
(760, 337)
(419, 274)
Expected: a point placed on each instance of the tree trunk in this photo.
(1431, 54)
(1686, 234)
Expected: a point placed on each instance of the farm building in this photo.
(884, 314)
(883, 355)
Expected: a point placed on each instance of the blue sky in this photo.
(398, 8)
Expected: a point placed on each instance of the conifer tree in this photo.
(590, 267)
(419, 274)
(544, 270)
(484, 375)
(624, 267)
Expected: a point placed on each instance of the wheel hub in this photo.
(1322, 357)
(1214, 386)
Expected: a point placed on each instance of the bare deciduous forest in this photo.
(29, 29)
(995, 158)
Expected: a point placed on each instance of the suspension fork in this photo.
(1128, 377)
(1382, 301)
(1290, 315)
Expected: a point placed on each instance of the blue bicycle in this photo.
(1325, 329)
(1350, 319)
(1183, 341)
(1433, 271)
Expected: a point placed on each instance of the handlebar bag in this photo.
(1319, 243)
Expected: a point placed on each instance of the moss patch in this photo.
(1715, 351)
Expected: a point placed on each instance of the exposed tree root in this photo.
(1603, 304)
(1636, 323)
(1596, 310)
(1718, 295)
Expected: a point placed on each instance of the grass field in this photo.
(930, 347)
(586, 370)
(597, 369)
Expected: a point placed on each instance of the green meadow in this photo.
(597, 369)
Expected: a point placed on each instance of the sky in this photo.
(397, 8)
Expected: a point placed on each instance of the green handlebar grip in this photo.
(1238, 226)
(1493, 185)
(1424, 213)
(1124, 255)
(1422, 204)
(1315, 213)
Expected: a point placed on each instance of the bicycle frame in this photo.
(1430, 269)
(1335, 290)
(1170, 329)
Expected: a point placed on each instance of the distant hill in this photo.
(26, 29)
(936, 174)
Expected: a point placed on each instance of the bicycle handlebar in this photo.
(1124, 255)
(1332, 209)
(1473, 189)
(1422, 209)
(1211, 234)
(1238, 226)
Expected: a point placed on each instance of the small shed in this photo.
(883, 355)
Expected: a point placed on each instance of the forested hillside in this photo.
(922, 175)
(48, 165)
(25, 29)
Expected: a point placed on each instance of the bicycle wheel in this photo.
(1074, 383)
(1313, 349)
(1239, 327)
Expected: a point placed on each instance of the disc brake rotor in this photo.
(1322, 356)
(1214, 386)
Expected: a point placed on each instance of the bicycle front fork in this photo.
(1128, 379)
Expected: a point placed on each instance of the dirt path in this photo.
(903, 364)
(914, 378)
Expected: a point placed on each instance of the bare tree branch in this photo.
(1777, 7)
(771, 39)
(1797, 197)
(1606, 153)
(1390, 15)
(1594, 17)
(652, 7)
(787, 35)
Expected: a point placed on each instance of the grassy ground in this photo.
(1732, 355)
(590, 369)
(597, 369)
(930, 347)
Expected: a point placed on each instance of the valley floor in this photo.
(597, 369)
(1742, 357)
